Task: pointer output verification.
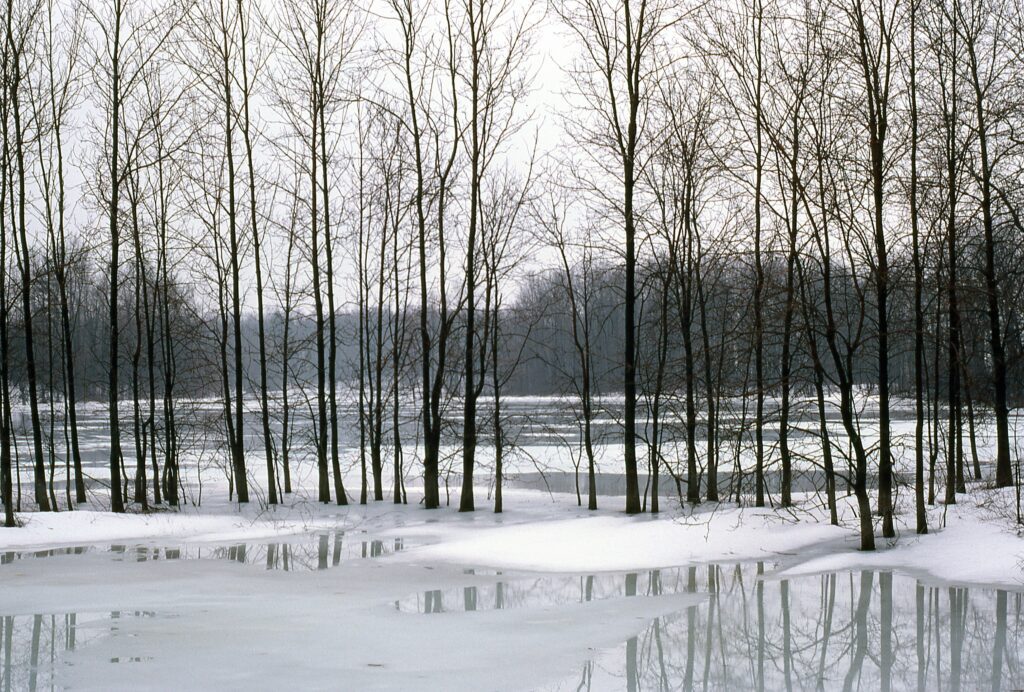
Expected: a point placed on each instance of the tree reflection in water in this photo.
(849, 631)
(753, 630)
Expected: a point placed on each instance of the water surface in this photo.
(752, 629)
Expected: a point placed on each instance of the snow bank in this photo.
(621, 543)
(549, 533)
(85, 527)
(969, 550)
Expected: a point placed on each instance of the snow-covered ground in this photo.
(540, 596)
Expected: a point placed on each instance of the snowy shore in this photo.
(548, 532)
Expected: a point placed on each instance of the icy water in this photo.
(322, 551)
(542, 438)
(838, 631)
(752, 629)
(866, 630)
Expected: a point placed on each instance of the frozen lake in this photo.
(338, 610)
(543, 597)
(543, 445)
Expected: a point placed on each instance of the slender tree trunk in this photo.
(150, 326)
(397, 349)
(759, 460)
(67, 335)
(324, 483)
(828, 463)
(261, 334)
(152, 316)
(362, 270)
(431, 495)
(16, 48)
(237, 431)
(787, 329)
(685, 284)
(499, 432)
(167, 344)
(580, 315)
(138, 427)
(6, 471)
(332, 351)
(376, 456)
(654, 450)
(476, 29)
(919, 382)
(116, 499)
(286, 366)
(634, 51)
(971, 433)
(709, 385)
(844, 380)
(950, 114)
(1004, 472)
(876, 76)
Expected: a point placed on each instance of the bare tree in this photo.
(427, 74)
(981, 28)
(246, 61)
(737, 40)
(125, 40)
(60, 93)
(552, 215)
(6, 471)
(615, 77)
(315, 38)
(20, 36)
(497, 42)
(875, 28)
(503, 204)
(919, 353)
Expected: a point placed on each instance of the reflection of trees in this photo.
(519, 592)
(323, 551)
(32, 647)
(852, 631)
(858, 631)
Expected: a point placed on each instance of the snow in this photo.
(607, 542)
(216, 624)
(969, 550)
(549, 533)
(84, 527)
(205, 621)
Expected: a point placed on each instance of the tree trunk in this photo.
(261, 337)
(116, 500)
(919, 383)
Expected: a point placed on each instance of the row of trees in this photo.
(752, 213)
(835, 139)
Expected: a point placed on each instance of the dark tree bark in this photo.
(17, 45)
(919, 352)
(261, 337)
(477, 35)
(790, 306)
(877, 73)
(951, 161)
(757, 20)
(60, 102)
(422, 128)
(634, 52)
(980, 86)
(114, 115)
(6, 471)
